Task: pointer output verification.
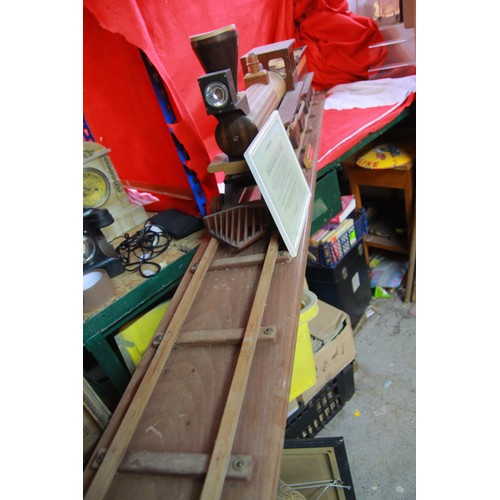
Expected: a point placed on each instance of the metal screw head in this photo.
(157, 340)
(239, 464)
(268, 330)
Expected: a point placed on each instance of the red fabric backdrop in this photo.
(337, 41)
(119, 103)
(123, 114)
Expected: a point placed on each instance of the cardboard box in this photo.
(333, 337)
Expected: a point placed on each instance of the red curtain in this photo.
(337, 41)
(119, 103)
(121, 108)
(123, 114)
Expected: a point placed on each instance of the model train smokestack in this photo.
(217, 52)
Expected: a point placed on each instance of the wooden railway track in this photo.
(205, 412)
(219, 460)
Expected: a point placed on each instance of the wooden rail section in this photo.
(214, 481)
(116, 451)
(207, 419)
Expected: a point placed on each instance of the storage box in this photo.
(333, 341)
(312, 417)
(332, 253)
(304, 370)
(346, 287)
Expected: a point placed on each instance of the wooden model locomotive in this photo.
(275, 79)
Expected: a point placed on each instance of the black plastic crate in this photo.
(346, 287)
(309, 419)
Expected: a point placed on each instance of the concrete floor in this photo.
(379, 422)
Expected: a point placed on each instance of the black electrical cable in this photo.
(138, 251)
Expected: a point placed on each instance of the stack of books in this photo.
(348, 206)
(329, 244)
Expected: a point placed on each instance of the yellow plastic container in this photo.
(133, 339)
(304, 367)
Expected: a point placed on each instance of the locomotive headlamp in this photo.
(216, 95)
(219, 93)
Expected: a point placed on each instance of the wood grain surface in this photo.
(184, 411)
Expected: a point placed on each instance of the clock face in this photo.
(96, 188)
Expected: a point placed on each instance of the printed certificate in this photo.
(276, 169)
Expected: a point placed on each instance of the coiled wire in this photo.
(138, 251)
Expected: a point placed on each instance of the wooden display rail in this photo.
(206, 418)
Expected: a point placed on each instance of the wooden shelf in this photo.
(396, 178)
(383, 235)
(386, 243)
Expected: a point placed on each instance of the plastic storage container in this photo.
(309, 419)
(329, 254)
(347, 286)
(304, 368)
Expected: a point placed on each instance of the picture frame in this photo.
(279, 176)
